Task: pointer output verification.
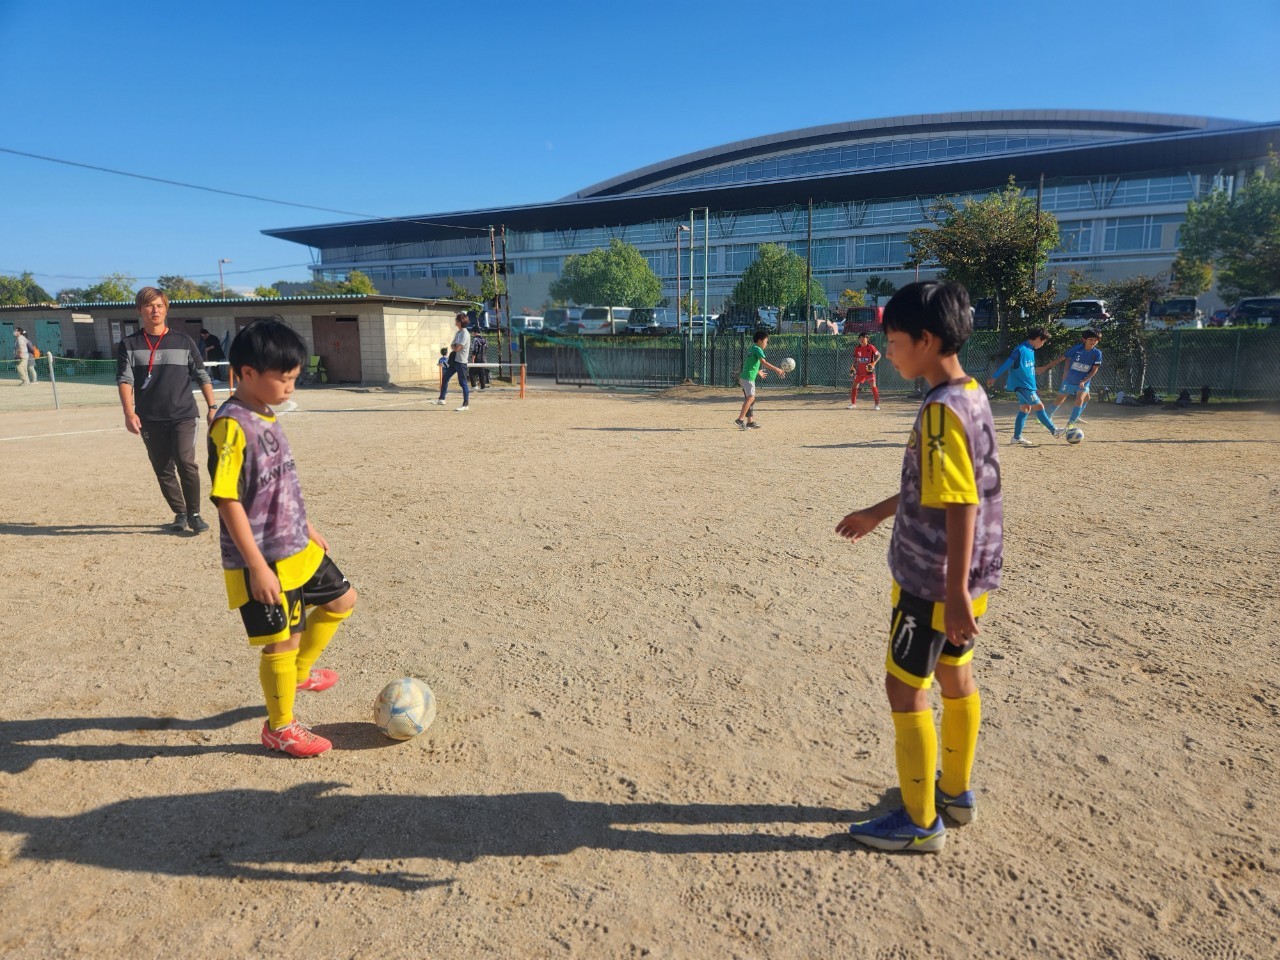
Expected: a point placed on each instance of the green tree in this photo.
(617, 276)
(878, 287)
(992, 246)
(1191, 277)
(266, 293)
(492, 286)
(71, 295)
(1239, 235)
(356, 282)
(1128, 302)
(113, 288)
(17, 291)
(850, 299)
(776, 278)
(180, 288)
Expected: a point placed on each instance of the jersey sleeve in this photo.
(228, 441)
(946, 469)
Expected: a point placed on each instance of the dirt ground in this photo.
(660, 684)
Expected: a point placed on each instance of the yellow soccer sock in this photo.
(916, 746)
(960, 721)
(277, 672)
(321, 626)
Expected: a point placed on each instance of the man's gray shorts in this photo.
(748, 388)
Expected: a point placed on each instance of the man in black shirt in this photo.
(154, 371)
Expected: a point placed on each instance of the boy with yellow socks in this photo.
(291, 596)
(945, 555)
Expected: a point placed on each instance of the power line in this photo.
(232, 193)
(188, 276)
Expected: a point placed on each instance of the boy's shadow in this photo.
(78, 530)
(21, 741)
(311, 833)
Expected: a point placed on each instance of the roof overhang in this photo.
(1227, 148)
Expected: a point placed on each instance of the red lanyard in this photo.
(159, 340)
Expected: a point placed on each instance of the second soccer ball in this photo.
(788, 364)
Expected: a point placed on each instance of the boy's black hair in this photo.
(937, 306)
(268, 345)
(1089, 334)
(444, 351)
(760, 335)
(864, 333)
(1037, 333)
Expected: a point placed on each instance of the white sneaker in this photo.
(876, 407)
(438, 402)
(462, 409)
(1022, 442)
(850, 406)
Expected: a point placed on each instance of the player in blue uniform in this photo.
(1021, 367)
(1083, 361)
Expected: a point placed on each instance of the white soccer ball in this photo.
(788, 364)
(404, 708)
(1075, 435)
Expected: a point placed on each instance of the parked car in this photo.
(526, 323)
(1219, 318)
(983, 311)
(604, 321)
(863, 320)
(1256, 311)
(708, 321)
(1176, 313)
(765, 318)
(560, 318)
(1084, 313)
(651, 321)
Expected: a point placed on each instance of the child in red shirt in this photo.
(863, 370)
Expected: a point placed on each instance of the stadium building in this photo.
(1119, 184)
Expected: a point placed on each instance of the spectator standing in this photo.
(22, 352)
(211, 350)
(479, 354)
(154, 371)
(459, 353)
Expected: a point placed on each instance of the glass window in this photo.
(1076, 236)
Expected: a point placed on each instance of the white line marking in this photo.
(71, 433)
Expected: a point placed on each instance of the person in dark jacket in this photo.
(479, 354)
(155, 368)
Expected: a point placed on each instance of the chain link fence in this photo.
(57, 382)
(1237, 363)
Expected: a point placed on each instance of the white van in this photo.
(604, 321)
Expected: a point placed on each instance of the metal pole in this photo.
(54, 380)
(679, 292)
(706, 270)
(1036, 254)
(506, 291)
(808, 294)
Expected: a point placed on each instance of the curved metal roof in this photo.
(1213, 142)
(1102, 123)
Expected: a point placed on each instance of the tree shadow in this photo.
(857, 445)
(312, 833)
(81, 530)
(23, 742)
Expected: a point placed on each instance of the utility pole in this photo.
(808, 292)
(506, 291)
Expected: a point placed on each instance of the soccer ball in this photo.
(404, 708)
(1075, 435)
(788, 364)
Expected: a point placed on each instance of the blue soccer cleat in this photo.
(897, 831)
(962, 808)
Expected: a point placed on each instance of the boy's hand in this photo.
(958, 619)
(764, 374)
(315, 535)
(857, 525)
(264, 585)
(991, 381)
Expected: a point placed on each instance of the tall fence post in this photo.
(1173, 362)
(1235, 364)
(53, 380)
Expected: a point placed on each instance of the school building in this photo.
(1118, 182)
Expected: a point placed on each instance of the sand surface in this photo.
(660, 684)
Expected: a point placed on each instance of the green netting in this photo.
(1237, 363)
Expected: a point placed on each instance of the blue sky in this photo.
(403, 108)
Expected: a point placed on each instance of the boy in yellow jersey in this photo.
(945, 555)
(291, 596)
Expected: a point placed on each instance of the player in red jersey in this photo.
(863, 370)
